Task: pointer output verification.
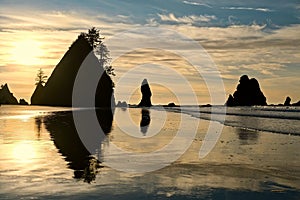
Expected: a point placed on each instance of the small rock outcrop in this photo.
(122, 104)
(146, 94)
(248, 93)
(296, 104)
(172, 104)
(6, 97)
(37, 96)
(23, 102)
(287, 101)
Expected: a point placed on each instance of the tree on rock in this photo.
(41, 78)
(96, 41)
(93, 37)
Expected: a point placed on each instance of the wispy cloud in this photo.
(246, 47)
(197, 3)
(191, 19)
(248, 8)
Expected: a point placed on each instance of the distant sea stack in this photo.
(146, 94)
(59, 87)
(6, 97)
(287, 101)
(248, 93)
(23, 102)
(296, 104)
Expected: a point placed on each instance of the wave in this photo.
(283, 120)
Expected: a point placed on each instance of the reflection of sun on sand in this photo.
(24, 152)
(27, 52)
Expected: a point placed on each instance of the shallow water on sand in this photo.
(43, 157)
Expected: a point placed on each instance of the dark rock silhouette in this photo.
(230, 101)
(171, 104)
(287, 101)
(146, 94)
(66, 139)
(206, 105)
(59, 87)
(37, 96)
(6, 97)
(122, 104)
(248, 93)
(145, 121)
(23, 102)
(296, 104)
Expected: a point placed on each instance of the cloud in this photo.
(196, 4)
(248, 8)
(69, 21)
(245, 47)
(191, 19)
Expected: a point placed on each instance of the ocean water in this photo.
(285, 120)
(42, 155)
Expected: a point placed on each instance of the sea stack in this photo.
(23, 102)
(6, 97)
(58, 90)
(248, 93)
(287, 101)
(146, 94)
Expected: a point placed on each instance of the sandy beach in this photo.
(244, 163)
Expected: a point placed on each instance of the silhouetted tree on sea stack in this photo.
(57, 91)
(248, 93)
(41, 78)
(146, 94)
(96, 41)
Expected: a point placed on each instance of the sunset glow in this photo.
(259, 38)
(27, 52)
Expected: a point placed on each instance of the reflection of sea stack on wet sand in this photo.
(145, 120)
(146, 94)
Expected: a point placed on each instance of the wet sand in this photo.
(243, 164)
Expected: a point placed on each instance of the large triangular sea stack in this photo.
(59, 87)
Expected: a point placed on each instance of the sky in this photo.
(257, 38)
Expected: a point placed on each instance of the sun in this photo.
(27, 52)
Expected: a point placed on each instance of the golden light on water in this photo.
(24, 152)
(27, 52)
